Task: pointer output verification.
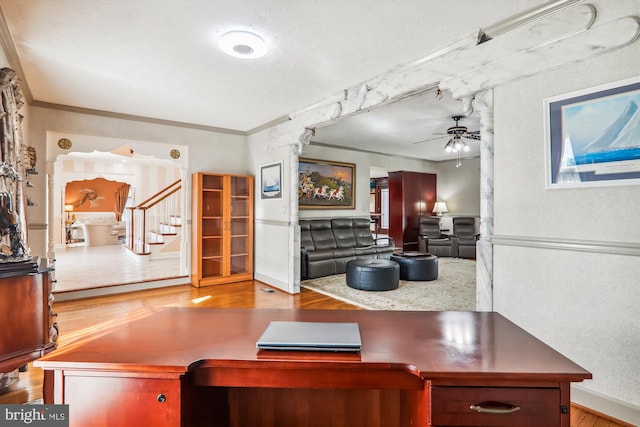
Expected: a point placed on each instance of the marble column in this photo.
(294, 228)
(483, 103)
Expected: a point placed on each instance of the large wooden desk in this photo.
(198, 366)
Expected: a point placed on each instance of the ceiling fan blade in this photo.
(472, 136)
(427, 140)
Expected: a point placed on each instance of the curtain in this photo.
(121, 200)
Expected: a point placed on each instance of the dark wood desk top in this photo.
(433, 345)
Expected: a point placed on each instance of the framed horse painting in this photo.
(324, 184)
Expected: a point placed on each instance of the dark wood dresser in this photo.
(26, 316)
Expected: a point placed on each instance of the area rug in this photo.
(454, 289)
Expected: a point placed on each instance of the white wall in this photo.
(274, 226)
(4, 62)
(459, 187)
(553, 274)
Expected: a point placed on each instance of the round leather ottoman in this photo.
(417, 266)
(373, 274)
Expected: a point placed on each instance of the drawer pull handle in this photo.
(494, 408)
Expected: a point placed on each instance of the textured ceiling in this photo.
(159, 58)
(415, 127)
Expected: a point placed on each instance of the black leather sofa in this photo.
(326, 245)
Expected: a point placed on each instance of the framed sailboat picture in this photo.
(271, 181)
(593, 136)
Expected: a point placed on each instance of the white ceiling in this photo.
(415, 127)
(159, 59)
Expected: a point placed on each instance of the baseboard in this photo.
(605, 405)
(119, 289)
(271, 281)
(164, 255)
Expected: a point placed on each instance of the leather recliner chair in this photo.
(431, 239)
(464, 234)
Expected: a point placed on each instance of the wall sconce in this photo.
(439, 208)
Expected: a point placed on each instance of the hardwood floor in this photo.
(585, 417)
(80, 318)
(76, 268)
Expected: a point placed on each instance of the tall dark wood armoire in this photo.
(411, 194)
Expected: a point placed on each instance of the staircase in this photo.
(154, 228)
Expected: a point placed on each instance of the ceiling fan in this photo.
(456, 143)
(456, 132)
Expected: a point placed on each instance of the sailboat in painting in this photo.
(620, 141)
(568, 173)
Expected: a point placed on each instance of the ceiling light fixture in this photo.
(243, 44)
(455, 145)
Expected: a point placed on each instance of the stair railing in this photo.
(149, 218)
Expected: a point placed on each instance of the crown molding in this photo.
(132, 117)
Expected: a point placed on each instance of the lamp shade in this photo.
(68, 208)
(440, 208)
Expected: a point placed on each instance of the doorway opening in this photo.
(88, 234)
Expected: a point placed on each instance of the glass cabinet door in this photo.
(212, 226)
(240, 225)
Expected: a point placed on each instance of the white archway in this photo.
(63, 147)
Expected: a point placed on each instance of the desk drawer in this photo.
(451, 406)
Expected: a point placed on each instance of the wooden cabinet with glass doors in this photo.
(222, 229)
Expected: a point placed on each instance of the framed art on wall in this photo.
(271, 181)
(593, 136)
(324, 184)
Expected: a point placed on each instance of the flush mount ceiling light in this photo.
(243, 44)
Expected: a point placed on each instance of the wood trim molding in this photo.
(576, 245)
(272, 222)
(37, 226)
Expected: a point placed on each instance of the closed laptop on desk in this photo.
(310, 336)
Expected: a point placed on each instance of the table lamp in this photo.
(68, 209)
(439, 208)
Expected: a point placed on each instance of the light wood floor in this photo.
(80, 318)
(83, 267)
